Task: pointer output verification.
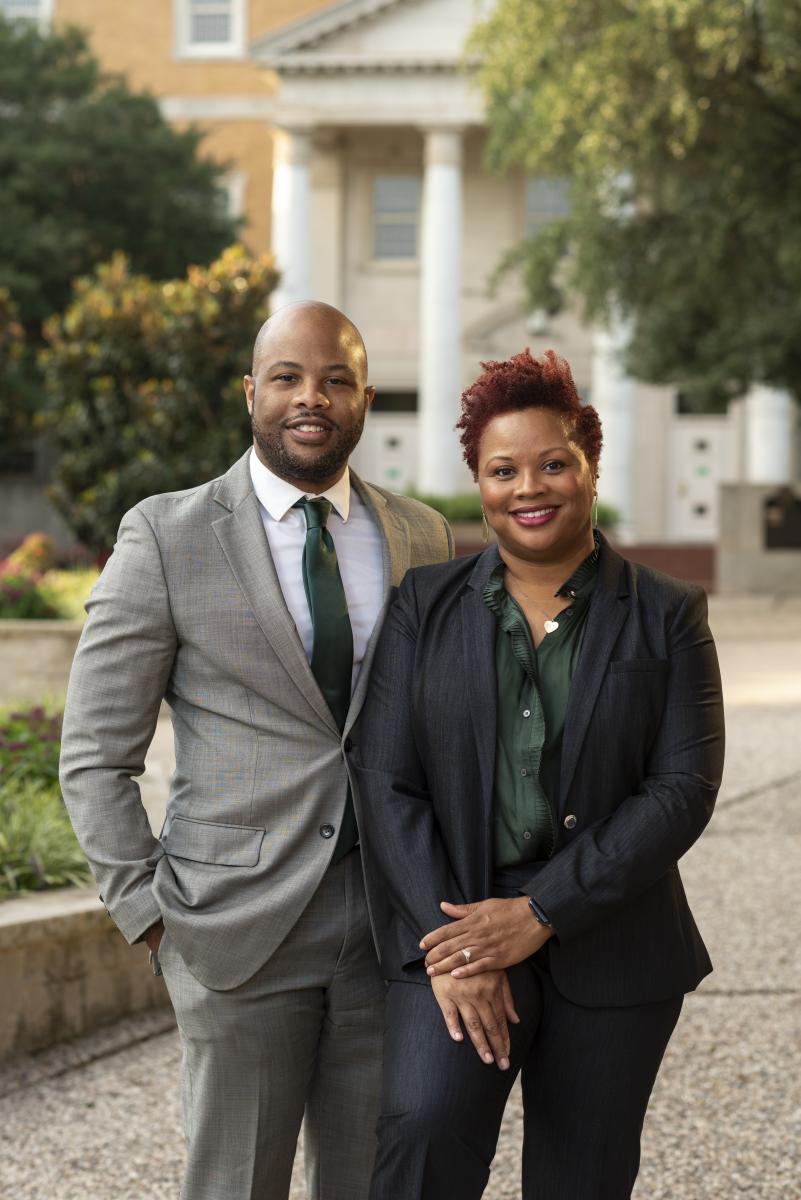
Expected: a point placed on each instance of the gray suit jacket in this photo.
(189, 609)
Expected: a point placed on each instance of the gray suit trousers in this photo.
(301, 1038)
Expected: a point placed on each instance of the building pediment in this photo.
(355, 36)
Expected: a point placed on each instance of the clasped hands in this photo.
(497, 933)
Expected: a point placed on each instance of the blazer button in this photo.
(347, 744)
(327, 831)
(570, 821)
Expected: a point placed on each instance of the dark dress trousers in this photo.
(640, 769)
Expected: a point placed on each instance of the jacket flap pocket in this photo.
(639, 664)
(210, 842)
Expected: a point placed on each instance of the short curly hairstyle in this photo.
(526, 382)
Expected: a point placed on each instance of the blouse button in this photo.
(524, 771)
(526, 712)
(570, 821)
(527, 834)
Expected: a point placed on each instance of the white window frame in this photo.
(43, 17)
(392, 218)
(186, 49)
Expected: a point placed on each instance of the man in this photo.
(250, 604)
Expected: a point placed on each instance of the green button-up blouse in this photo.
(533, 687)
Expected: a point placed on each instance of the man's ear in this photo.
(369, 397)
(249, 384)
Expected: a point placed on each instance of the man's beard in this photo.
(286, 465)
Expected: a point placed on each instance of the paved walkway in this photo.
(99, 1120)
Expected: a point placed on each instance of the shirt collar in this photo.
(278, 496)
(578, 586)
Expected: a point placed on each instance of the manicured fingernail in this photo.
(457, 973)
(422, 945)
(504, 1064)
(488, 1057)
(429, 970)
(457, 1037)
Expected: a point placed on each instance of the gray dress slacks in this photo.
(300, 1039)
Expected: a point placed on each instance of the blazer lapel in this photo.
(396, 551)
(607, 614)
(241, 535)
(479, 628)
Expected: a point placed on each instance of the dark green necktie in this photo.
(332, 645)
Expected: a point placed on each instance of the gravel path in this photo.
(99, 1119)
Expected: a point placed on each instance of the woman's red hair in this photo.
(526, 382)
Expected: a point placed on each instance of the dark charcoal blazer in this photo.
(641, 765)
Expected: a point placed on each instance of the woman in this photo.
(542, 741)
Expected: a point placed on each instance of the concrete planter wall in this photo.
(66, 970)
(36, 657)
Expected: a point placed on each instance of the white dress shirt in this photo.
(359, 547)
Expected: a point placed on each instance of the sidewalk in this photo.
(100, 1120)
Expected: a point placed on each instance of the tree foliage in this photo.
(13, 424)
(88, 167)
(144, 385)
(679, 124)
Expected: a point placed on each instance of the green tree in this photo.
(144, 385)
(13, 423)
(679, 125)
(88, 167)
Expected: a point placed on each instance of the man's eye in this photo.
(337, 381)
(285, 378)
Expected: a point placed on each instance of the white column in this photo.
(291, 226)
(769, 435)
(440, 313)
(612, 394)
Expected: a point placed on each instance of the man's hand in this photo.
(485, 1006)
(497, 933)
(154, 935)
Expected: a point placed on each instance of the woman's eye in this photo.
(553, 465)
(503, 472)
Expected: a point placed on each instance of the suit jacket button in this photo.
(327, 831)
(569, 821)
(347, 744)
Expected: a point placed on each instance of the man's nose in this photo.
(311, 394)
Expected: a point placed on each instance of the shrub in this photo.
(35, 555)
(38, 848)
(467, 507)
(67, 590)
(144, 384)
(30, 742)
(21, 599)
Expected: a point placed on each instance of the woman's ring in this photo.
(466, 954)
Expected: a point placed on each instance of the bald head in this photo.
(311, 318)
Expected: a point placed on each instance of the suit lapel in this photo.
(396, 552)
(241, 535)
(479, 628)
(607, 613)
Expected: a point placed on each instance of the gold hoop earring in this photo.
(595, 511)
(484, 522)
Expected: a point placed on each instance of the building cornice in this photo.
(308, 32)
